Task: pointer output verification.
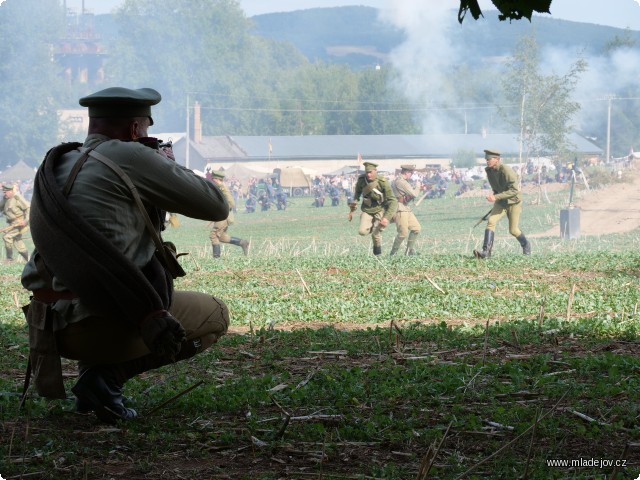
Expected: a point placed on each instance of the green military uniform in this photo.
(407, 224)
(378, 202)
(508, 201)
(219, 231)
(16, 211)
(111, 350)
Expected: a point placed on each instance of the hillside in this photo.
(355, 35)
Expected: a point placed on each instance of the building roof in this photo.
(368, 146)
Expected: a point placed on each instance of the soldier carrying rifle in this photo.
(407, 224)
(506, 200)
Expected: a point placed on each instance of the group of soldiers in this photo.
(384, 202)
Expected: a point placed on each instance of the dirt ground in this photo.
(614, 209)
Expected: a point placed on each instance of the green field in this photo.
(342, 365)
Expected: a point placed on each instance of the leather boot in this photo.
(216, 250)
(96, 391)
(411, 242)
(9, 254)
(525, 244)
(396, 246)
(99, 388)
(486, 246)
(377, 250)
(242, 243)
(25, 255)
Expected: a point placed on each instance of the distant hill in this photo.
(354, 35)
(351, 35)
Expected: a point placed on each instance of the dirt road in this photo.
(614, 209)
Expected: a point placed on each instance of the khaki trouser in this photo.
(101, 341)
(219, 233)
(370, 224)
(405, 222)
(513, 214)
(13, 238)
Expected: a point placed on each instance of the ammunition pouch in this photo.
(44, 359)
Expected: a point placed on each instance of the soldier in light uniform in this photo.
(379, 204)
(219, 231)
(407, 224)
(506, 200)
(16, 210)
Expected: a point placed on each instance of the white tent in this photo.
(19, 171)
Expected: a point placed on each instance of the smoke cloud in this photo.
(433, 47)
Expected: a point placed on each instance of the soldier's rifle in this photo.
(483, 218)
(7, 228)
(419, 201)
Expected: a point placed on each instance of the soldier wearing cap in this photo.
(102, 291)
(219, 231)
(15, 209)
(379, 204)
(407, 224)
(506, 200)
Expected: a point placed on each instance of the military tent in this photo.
(294, 180)
(18, 172)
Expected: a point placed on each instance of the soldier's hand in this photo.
(353, 206)
(167, 151)
(162, 334)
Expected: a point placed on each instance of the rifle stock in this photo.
(422, 198)
(486, 215)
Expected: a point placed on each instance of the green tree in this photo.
(463, 158)
(619, 42)
(244, 84)
(544, 107)
(30, 83)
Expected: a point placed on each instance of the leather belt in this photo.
(49, 295)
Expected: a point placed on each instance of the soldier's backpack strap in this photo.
(42, 340)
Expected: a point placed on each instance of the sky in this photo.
(615, 13)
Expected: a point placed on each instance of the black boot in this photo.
(486, 246)
(396, 246)
(242, 243)
(411, 243)
(99, 388)
(25, 255)
(377, 250)
(96, 391)
(216, 250)
(9, 255)
(526, 244)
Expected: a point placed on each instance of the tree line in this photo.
(248, 85)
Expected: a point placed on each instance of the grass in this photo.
(343, 365)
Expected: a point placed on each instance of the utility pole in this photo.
(187, 138)
(609, 97)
